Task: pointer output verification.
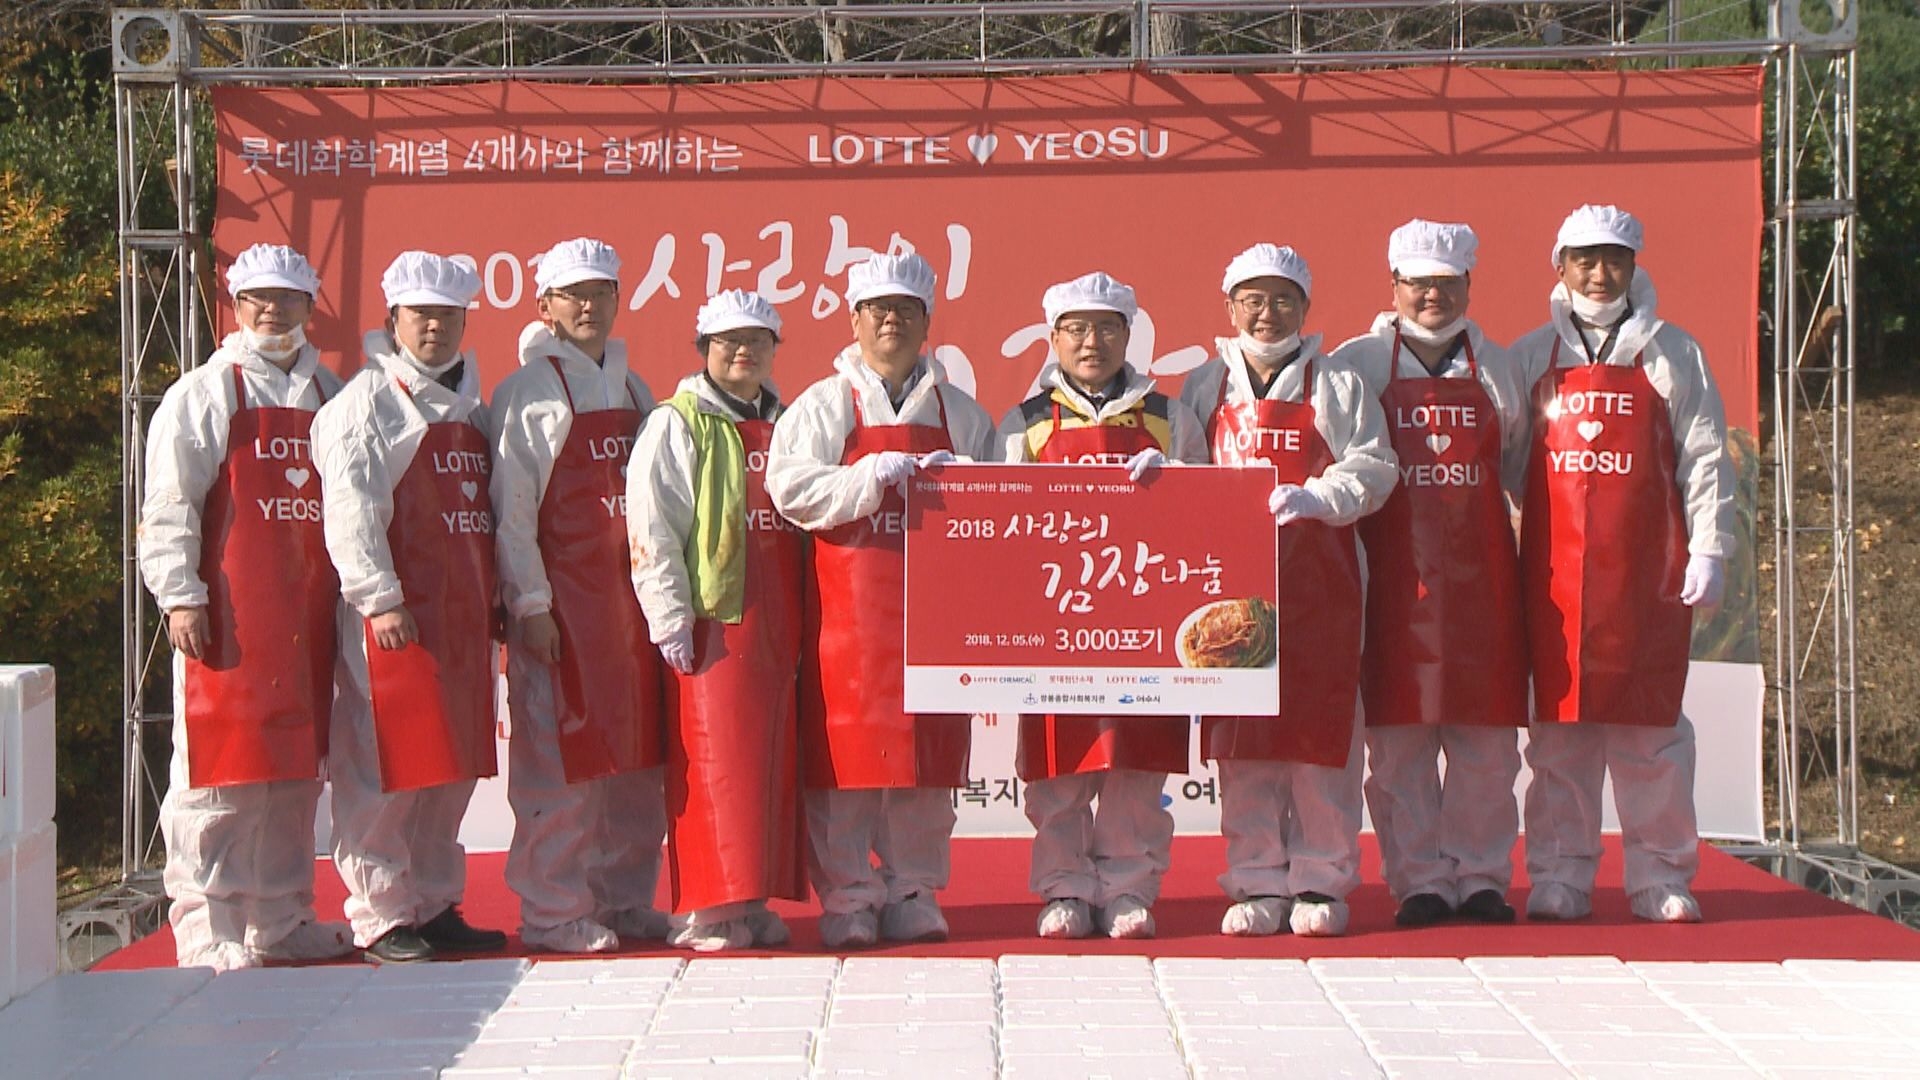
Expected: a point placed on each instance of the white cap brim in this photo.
(1415, 266)
(1092, 305)
(426, 298)
(877, 291)
(271, 280)
(734, 320)
(1592, 238)
(574, 276)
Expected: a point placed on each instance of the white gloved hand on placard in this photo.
(1291, 502)
(1706, 581)
(891, 468)
(936, 457)
(677, 650)
(1144, 462)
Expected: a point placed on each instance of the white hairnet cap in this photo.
(423, 279)
(1432, 249)
(1266, 260)
(570, 262)
(1592, 226)
(733, 310)
(271, 266)
(1089, 292)
(891, 275)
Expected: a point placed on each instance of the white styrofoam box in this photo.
(26, 747)
(1650, 1019)
(910, 1041)
(1428, 991)
(1671, 1050)
(1488, 1017)
(679, 1017)
(659, 970)
(739, 1046)
(875, 976)
(913, 1009)
(768, 986)
(460, 997)
(507, 972)
(1713, 973)
(539, 1025)
(1063, 1067)
(1771, 1052)
(568, 1053)
(1815, 1019)
(1303, 1014)
(1264, 1044)
(141, 1058)
(371, 1059)
(1329, 1067)
(723, 1070)
(757, 967)
(348, 1026)
(1040, 1012)
(1895, 973)
(1074, 967)
(635, 994)
(1090, 1040)
(32, 939)
(1535, 996)
(1397, 969)
(76, 1017)
(1466, 1046)
(1491, 969)
(1443, 1069)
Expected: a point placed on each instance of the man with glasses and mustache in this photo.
(1444, 669)
(231, 548)
(1626, 527)
(583, 676)
(1290, 786)
(877, 776)
(1099, 868)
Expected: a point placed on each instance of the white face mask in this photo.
(274, 347)
(1268, 352)
(1595, 312)
(430, 372)
(1442, 336)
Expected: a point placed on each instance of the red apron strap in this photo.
(562, 376)
(239, 389)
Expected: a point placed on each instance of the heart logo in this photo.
(1589, 429)
(982, 146)
(1439, 443)
(298, 477)
(470, 489)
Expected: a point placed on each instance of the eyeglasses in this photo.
(1080, 331)
(280, 298)
(1255, 303)
(602, 294)
(1418, 285)
(748, 342)
(902, 308)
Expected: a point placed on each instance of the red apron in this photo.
(1603, 550)
(258, 703)
(853, 658)
(1053, 746)
(1319, 611)
(606, 686)
(433, 700)
(1446, 635)
(734, 820)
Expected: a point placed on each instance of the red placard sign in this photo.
(1072, 589)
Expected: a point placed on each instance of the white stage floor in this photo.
(1054, 1018)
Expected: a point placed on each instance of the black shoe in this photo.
(1421, 909)
(1487, 906)
(400, 945)
(450, 932)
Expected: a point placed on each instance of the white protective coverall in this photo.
(1122, 848)
(1456, 839)
(239, 858)
(1652, 767)
(589, 850)
(1294, 828)
(909, 828)
(399, 853)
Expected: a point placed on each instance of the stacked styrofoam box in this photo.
(1235, 1018)
(27, 840)
(1767, 1014)
(1431, 1017)
(1100, 1017)
(578, 1018)
(932, 1019)
(743, 1018)
(1600, 1019)
(400, 1020)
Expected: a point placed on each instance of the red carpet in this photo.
(1751, 915)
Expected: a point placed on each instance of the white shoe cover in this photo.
(222, 956)
(1127, 919)
(714, 937)
(311, 941)
(1262, 916)
(1553, 901)
(639, 924)
(856, 931)
(1309, 919)
(1665, 904)
(1065, 918)
(768, 930)
(917, 918)
(578, 936)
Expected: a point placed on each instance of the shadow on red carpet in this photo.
(1750, 915)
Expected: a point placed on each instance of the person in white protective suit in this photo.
(1290, 786)
(720, 573)
(1444, 668)
(583, 680)
(403, 462)
(876, 775)
(231, 548)
(1625, 531)
(1099, 867)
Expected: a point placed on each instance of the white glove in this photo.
(1291, 502)
(677, 650)
(1144, 462)
(936, 457)
(891, 468)
(1706, 581)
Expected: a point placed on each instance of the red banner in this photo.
(1108, 596)
(1007, 186)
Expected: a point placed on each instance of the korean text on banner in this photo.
(1072, 589)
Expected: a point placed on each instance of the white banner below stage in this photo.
(1722, 700)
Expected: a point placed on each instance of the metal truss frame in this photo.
(164, 60)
